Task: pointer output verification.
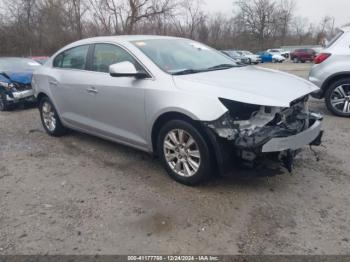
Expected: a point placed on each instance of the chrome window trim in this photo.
(152, 77)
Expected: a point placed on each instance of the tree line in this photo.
(41, 27)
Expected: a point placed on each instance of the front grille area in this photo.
(21, 87)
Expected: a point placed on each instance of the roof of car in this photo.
(14, 57)
(117, 39)
(127, 38)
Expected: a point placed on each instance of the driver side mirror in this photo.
(126, 69)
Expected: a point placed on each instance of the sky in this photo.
(314, 10)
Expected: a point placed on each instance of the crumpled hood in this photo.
(24, 78)
(250, 84)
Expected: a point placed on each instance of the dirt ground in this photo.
(83, 195)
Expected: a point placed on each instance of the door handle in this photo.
(92, 90)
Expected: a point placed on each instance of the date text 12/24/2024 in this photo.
(173, 258)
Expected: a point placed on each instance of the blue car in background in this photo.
(16, 81)
(267, 57)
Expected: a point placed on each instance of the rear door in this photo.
(70, 87)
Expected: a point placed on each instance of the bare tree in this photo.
(285, 10)
(43, 26)
(299, 27)
(76, 9)
(131, 12)
(189, 17)
(259, 18)
(102, 17)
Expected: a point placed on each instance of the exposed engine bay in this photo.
(250, 129)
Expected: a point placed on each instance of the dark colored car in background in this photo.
(303, 55)
(16, 81)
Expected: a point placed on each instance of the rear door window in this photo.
(74, 58)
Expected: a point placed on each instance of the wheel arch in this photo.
(164, 118)
(41, 95)
(332, 79)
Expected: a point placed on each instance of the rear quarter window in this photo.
(335, 39)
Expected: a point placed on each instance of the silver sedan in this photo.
(181, 100)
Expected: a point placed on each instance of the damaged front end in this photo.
(15, 89)
(253, 131)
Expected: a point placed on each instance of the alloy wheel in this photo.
(49, 116)
(340, 99)
(182, 153)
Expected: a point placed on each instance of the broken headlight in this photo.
(224, 127)
(8, 86)
(238, 110)
(242, 119)
(5, 85)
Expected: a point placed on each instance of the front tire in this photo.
(184, 153)
(338, 98)
(49, 118)
(3, 104)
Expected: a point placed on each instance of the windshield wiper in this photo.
(187, 72)
(221, 67)
(195, 71)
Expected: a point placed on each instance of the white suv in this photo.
(331, 73)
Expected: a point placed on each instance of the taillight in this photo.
(321, 57)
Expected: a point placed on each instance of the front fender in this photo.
(198, 108)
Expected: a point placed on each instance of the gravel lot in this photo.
(83, 195)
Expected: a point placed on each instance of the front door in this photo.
(118, 111)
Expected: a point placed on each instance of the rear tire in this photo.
(3, 105)
(49, 118)
(338, 97)
(184, 153)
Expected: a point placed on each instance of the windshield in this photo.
(18, 64)
(248, 53)
(179, 55)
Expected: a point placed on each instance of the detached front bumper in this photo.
(295, 142)
(18, 96)
(273, 143)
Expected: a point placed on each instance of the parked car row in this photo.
(284, 53)
(273, 56)
(237, 56)
(248, 58)
(267, 57)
